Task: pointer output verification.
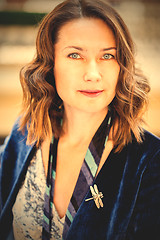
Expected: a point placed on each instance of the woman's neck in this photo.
(80, 127)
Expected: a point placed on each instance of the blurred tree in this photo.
(16, 1)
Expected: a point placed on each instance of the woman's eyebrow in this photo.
(75, 47)
(110, 48)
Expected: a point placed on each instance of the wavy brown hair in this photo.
(41, 104)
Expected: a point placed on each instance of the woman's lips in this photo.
(91, 93)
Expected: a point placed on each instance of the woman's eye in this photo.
(74, 56)
(108, 56)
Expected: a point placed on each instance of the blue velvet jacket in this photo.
(129, 181)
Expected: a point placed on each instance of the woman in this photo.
(80, 135)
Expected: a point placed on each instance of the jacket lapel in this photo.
(119, 182)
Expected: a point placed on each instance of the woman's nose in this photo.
(92, 72)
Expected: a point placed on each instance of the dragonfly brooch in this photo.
(96, 196)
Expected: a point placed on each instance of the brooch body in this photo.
(96, 196)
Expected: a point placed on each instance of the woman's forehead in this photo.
(87, 31)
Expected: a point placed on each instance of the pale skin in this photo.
(86, 74)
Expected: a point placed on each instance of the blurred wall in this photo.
(17, 47)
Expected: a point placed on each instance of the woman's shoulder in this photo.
(150, 143)
(143, 154)
(151, 147)
(147, 152)
(151, 139)
(17, 136)
(15, 144)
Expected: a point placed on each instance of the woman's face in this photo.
(86, 70)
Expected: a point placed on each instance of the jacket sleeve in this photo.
(7, 155)
(4, 150)
(145, 222)
(15, 156)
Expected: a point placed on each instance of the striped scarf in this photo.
(85, 180)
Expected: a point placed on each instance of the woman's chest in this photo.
(28, 210)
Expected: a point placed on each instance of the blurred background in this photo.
(18, 28)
